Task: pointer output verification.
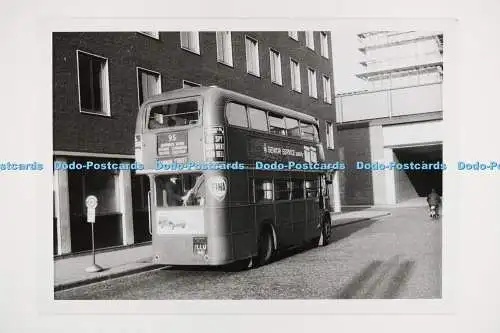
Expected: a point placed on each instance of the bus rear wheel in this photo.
(265, 251)
(326, 231)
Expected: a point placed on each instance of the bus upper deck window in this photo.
(308, 132)
(292, 126)
(174, 114)
(277, 124)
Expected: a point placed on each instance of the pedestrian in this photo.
(433, 199)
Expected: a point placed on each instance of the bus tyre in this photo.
(265, 248)
(326, 231)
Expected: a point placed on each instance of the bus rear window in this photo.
(174, 115)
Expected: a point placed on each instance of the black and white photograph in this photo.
(232, 165)
(220, 166)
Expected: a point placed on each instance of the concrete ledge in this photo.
(107, 275)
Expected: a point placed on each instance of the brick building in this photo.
(101, 78)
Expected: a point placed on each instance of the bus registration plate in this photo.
(200, 245)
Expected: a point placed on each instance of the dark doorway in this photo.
(421, 181)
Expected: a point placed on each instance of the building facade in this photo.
(101, 78)
(396, 119)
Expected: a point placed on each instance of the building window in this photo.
(93, 83)
(293, 35)
(295, 75)
(329, 135)
(153, 34)
(224, 47)
(311, 78)
(310, 39)
(324, 44)
(327, 90)
(148, 84)
(252, 54)
(190, 40)
(188, 84)
(275, 67)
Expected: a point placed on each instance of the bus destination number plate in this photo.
(173, 144)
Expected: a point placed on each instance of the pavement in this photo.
(69, 272)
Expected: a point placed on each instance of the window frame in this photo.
(272, 52)
(230, 49)
(247, 37)
(315, 85)
(196, 50)
(139, 68)
(106, 91)
(292, 70)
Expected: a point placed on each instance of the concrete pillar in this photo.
(125, 204)
(61, 197)
(377, 155)
(336, 192)
(390, 179)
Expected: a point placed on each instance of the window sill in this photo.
(254, 74)
(197, 52)
(225, 63)
(297, 91)
(150, 36)
(100, 114)
(314, 97)
(277, 83)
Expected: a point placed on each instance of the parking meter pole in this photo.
(91, 203)
(93, 245)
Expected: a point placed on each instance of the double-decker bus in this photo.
(229, 177)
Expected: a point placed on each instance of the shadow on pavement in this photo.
(343, 231)
(379, 280)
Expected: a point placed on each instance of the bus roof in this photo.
(218, 92)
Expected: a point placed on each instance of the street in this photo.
(398, 256)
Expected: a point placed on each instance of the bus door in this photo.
(177, 202)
